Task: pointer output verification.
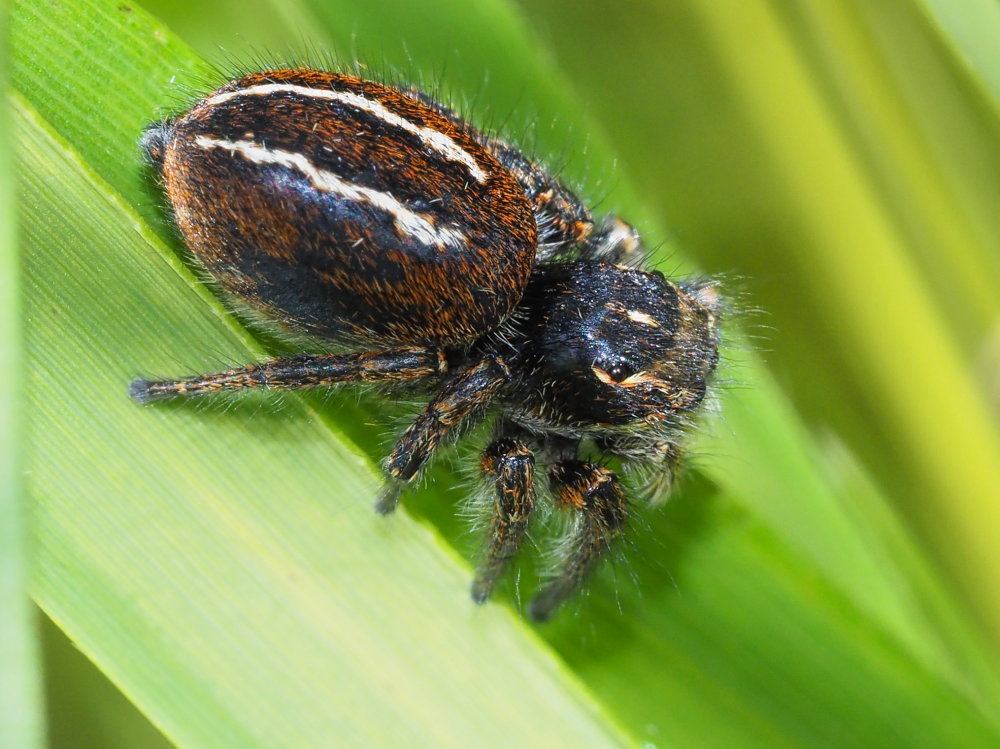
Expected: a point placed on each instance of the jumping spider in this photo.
(374, 217)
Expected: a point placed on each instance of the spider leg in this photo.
(460, 397)
(596, 495)
(300, 372)
(658, 463)
(512, 467)
(614, 241)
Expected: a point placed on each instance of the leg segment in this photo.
(512, 467)
(614, 241)
(451, 407)
(300, 372)
(596, 495)
(656, 462)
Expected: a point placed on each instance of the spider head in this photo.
(620, 347)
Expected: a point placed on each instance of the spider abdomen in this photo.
(347, 209)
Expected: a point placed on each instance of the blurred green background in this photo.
(829, 574)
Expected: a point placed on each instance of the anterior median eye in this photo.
(619, 370)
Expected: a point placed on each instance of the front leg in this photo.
(596, 495)
(459, 399)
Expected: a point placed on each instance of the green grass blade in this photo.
(221, 564)
(84, 708)
(971, 27)
(21, 715)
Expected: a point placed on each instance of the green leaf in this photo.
(220, 563)
(21, 717)
(84, 708)
(970, 28)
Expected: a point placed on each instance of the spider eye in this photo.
(619, 370)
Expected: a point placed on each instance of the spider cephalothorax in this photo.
(370, 215)
(609, 347)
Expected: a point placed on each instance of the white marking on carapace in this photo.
(433, 139)
(641, 317)
(406, 221)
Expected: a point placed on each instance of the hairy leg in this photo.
(614, 241)
(511, 465)
(657, 463)
(399, 365)
(595, 494)
(460, 397)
